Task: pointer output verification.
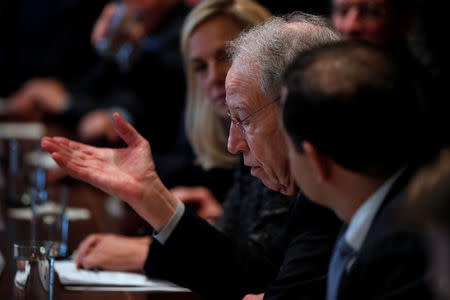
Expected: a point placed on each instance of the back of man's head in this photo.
(354, 104)
(265, 51)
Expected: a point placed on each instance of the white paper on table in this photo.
(22, 130)
(78, 279)
(73, 213)
(40, 159)
(154, 288)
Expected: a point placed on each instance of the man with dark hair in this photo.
(350, 118)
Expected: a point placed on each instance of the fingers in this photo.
(85, 247)
(20, 102)
(92, 260)
(66, 146)
(253, 297)
(75, 158)
(97, 124)
(192, 194)
(52, 145)
(94, 125)
(102, 24)
(79, 169)
(136, 33)
(126, 131)
(185, 194)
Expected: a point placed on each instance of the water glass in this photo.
(33, 270)
(16, 176)
(50, 220)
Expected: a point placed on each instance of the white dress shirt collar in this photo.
(362, 219)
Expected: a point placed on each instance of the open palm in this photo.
(120, 172)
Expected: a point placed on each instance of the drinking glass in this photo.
(33, 270)
(50, 220)
(16, 141)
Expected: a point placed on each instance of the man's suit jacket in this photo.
(391, 263)
(216, 266)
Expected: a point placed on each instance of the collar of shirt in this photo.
(360, 224)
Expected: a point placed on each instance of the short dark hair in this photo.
(353, 103)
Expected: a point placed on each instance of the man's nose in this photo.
(236, 140)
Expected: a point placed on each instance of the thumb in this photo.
(127, 132)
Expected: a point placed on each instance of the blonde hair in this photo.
(207, 132)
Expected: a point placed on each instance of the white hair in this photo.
(267, 49)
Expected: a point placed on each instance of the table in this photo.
(80, 195)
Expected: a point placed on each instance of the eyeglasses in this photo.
(244, 122)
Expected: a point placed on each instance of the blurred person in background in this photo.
(385, 23)
(133, 84)
(315, 7)
(42, 38)
(388, 24)
(392, 26)
(428, 207)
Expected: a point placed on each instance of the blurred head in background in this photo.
(380, 22)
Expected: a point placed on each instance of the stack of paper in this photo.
(78, 279)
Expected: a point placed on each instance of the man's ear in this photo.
(320, 163)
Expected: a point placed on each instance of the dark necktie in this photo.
(342, 254)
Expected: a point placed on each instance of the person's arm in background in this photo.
(88, 104)
(201, 190)
(83, 87)
(47, 47)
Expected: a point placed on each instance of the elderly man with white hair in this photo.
(186, 249)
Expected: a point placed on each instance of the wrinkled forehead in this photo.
(242, 89)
